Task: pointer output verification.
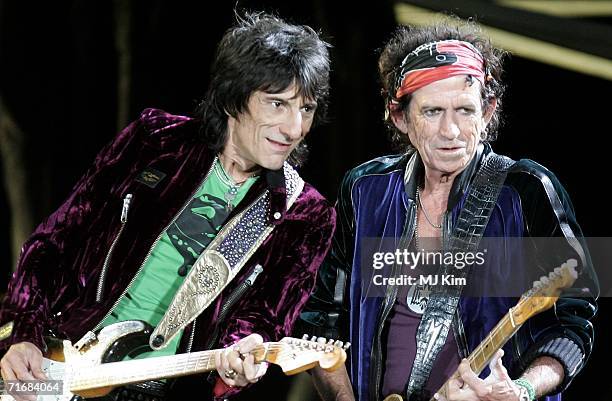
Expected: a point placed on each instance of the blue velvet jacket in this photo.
(376, 200)
(54, 288)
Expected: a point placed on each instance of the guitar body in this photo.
(111, 344)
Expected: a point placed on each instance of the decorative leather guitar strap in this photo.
(469, 229)
(221, 261)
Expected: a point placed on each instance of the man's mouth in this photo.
(278, 145)
(451, 148)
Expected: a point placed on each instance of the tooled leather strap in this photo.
(221, 261)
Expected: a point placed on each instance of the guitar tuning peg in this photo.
(313, 338)
(305, 337)
(338, 343)
(571, 263)
(330, 342)
(346, 346)
(321, 340)
(536, 284)
(544, 280)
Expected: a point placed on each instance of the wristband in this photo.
(524, 384)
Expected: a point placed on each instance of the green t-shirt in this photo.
(152, 290)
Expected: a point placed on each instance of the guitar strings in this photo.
(189, 364)
(202, 356)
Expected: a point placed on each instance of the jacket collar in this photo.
(277, 183)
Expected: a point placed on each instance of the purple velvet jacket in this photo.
(54, 287)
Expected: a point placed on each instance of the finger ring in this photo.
(230, 374)
(241, 355)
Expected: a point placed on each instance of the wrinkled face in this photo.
(444, 123)
(271, 127)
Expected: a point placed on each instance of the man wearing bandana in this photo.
(199, 226)
(442, 89)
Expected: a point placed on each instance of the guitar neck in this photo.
(497, 338)
(138, 370)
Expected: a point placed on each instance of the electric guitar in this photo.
(92, 367)
(541, 297)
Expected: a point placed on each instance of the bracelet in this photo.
(524, 383)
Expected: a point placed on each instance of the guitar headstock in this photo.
(296, 355)
(545, 291)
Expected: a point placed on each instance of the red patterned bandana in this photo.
(435, 61)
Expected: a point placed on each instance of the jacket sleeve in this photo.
(44, 271)
(290, 261)
(326, 313)
(564, 332)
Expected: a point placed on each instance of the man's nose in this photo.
(449, 127)
(292, 126)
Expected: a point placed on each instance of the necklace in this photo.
(418, 196)
(232, 186)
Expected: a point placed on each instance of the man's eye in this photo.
(276, 103)
(431, 112)
(308, 109)
(466, 110)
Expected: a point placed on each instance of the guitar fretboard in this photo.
(139, 370)
(497, 338)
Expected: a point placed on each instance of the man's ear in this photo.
(231, 123)
(490, 110)
(399, 120)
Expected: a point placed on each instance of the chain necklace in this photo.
(228, 181)
(418, 196)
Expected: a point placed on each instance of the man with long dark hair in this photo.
(201, 227)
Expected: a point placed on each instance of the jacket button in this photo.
(277, 215)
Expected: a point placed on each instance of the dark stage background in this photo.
(61, 77)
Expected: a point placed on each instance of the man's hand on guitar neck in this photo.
(544, 374)
(23, 361)
(498, 386)
(236, 365)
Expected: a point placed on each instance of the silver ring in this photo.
(230, 374)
